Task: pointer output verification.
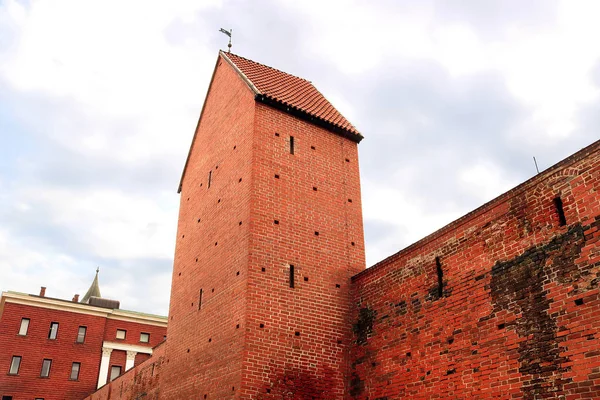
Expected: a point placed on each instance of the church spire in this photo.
(94, 289)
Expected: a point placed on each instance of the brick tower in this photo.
(270, 233)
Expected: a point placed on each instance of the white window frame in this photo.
(53, 333)
(24, 327)
(46, 373)
(112, 375)
(124, 334)
(147, 337)
(15, 366)
(78, 370)
(79, 334)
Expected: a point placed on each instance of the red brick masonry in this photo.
(518, 311)
(269, 302)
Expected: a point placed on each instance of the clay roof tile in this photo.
(290, 90)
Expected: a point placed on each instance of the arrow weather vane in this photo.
(228, 33)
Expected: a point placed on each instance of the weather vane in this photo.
(228, 33)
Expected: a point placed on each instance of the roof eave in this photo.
(354, 136)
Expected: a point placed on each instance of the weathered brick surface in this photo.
(140, 382)
(309, 217)
(502, 303)
(205, 355)
(519, 311)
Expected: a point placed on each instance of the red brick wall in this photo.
(309, 217)
(519, 311)
(205, 355)
(36, 346)
(142, 379)
(118, 358)
(134, 329)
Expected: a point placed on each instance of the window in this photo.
(115, 372)
(53, 331)
(24, 326)
(121, 333)
(75, 371)
(14, 365)
(81, 334)
(144, 337)
(8, 398)
(46, 364)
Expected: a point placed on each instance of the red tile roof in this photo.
(290, 91)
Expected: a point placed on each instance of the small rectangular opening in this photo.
(291, 276)
(440, 277)
(291, 145)
(209, 178)
(562, 220)
(200, 299)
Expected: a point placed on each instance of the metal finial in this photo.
(228, 33)
(97, 269)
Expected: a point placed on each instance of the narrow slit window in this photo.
(291, 276)
(291, 145)
(209, 178)
(562, 220)
(200, 300)
(440, 277)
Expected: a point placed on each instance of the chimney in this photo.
(43, 291)
(75, 299)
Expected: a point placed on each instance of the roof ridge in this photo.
(266, 66)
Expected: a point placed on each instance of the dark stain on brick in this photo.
(401, 308)
(357, 386)
(517, 286)
(364, 326)
(298, 384)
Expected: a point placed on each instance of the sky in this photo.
(99, 101)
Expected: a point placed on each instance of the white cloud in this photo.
(125, 92)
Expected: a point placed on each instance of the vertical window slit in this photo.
(291, 145)
(562, 220)
(200, 299)
(209, 178)
(440, 277)
(291, 276)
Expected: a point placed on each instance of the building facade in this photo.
(56, 349)
(271, 300)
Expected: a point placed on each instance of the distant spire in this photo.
(94, 289)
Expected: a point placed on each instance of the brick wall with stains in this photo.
(502, 303)
(306, 244)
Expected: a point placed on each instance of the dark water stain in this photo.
(364, 326)
(517, 286)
